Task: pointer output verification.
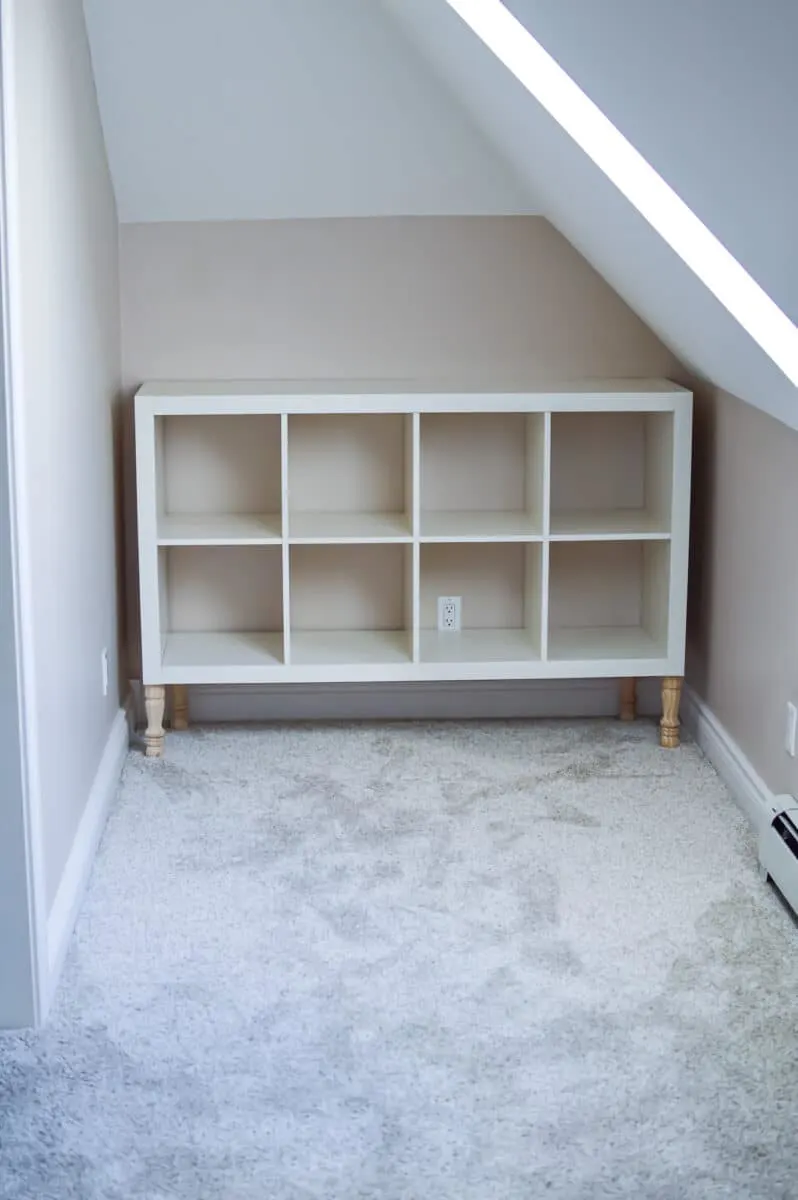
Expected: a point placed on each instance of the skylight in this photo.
(696, 245)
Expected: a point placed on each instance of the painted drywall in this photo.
(470, 299)
(595, 217)
(375, 107)
(17, 948)
(248, 109)
(682, 77)
(65, 312)
(743, 636)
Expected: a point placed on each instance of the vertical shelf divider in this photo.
(413, 484)
(286, 553)
(544, 549)
(149, 461)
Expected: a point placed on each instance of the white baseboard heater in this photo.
(778, 850)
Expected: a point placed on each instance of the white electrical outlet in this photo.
(449, 614)
(104, 667)
(792, 729)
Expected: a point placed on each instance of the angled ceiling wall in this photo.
(707, 91)
(251, 109)
(578, 198)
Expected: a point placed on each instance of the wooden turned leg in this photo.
(155, 703)
(180, 706)
(628, 699)
(669, 725)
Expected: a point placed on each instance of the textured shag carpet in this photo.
(416, 962)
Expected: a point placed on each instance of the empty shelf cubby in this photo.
(218, 479)
(351, 604)
(608, 600)
(499, 585)
(611, 474)
(482, 475)
(350, 477)
(221, 605)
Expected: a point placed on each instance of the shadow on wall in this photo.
(700, 599)
(127, 554)
(126, 584)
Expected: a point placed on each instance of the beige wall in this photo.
(480, 297)
(473, 298)
(65, 312)
(743, 637)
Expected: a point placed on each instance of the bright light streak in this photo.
(696, 245)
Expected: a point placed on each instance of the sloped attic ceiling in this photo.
(251, 109)
(232, 109)
(707, 94)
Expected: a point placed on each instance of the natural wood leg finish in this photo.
(155, 703)
(180, 706)
(669, 725)
(628, 699)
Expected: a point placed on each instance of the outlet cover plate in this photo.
(449, 614)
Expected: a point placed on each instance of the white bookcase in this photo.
(304, 533)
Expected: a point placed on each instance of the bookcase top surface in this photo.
(176, 396)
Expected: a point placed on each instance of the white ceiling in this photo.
(709, 166)
(248, 109)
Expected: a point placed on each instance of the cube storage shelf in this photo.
(304, 533)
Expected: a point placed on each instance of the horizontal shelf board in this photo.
(604, 643)
(355, 647)
(489, 673)
(479, 527)
(210, 650)
(226, 388)
(348, 527)
(607, 524)
(478, 645)
(219, 529)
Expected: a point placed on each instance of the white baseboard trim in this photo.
(71, 889)
(415, 701)
(748, 789)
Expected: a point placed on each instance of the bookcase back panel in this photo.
(215, 464)
(490, 580)
(343, 463)
(349, 587)
(222, 588)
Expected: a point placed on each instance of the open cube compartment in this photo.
(611, 474)
(482, 475)
(350, 477)
(608, 600)
(351, 604)
(499, 584)
(218, 479)
(221, 606)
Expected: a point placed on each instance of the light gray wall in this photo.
(576, 195)
(17, 970)
(306, 108)
(652, 67)
(472, 299)
(67, 312)
(743, 640)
